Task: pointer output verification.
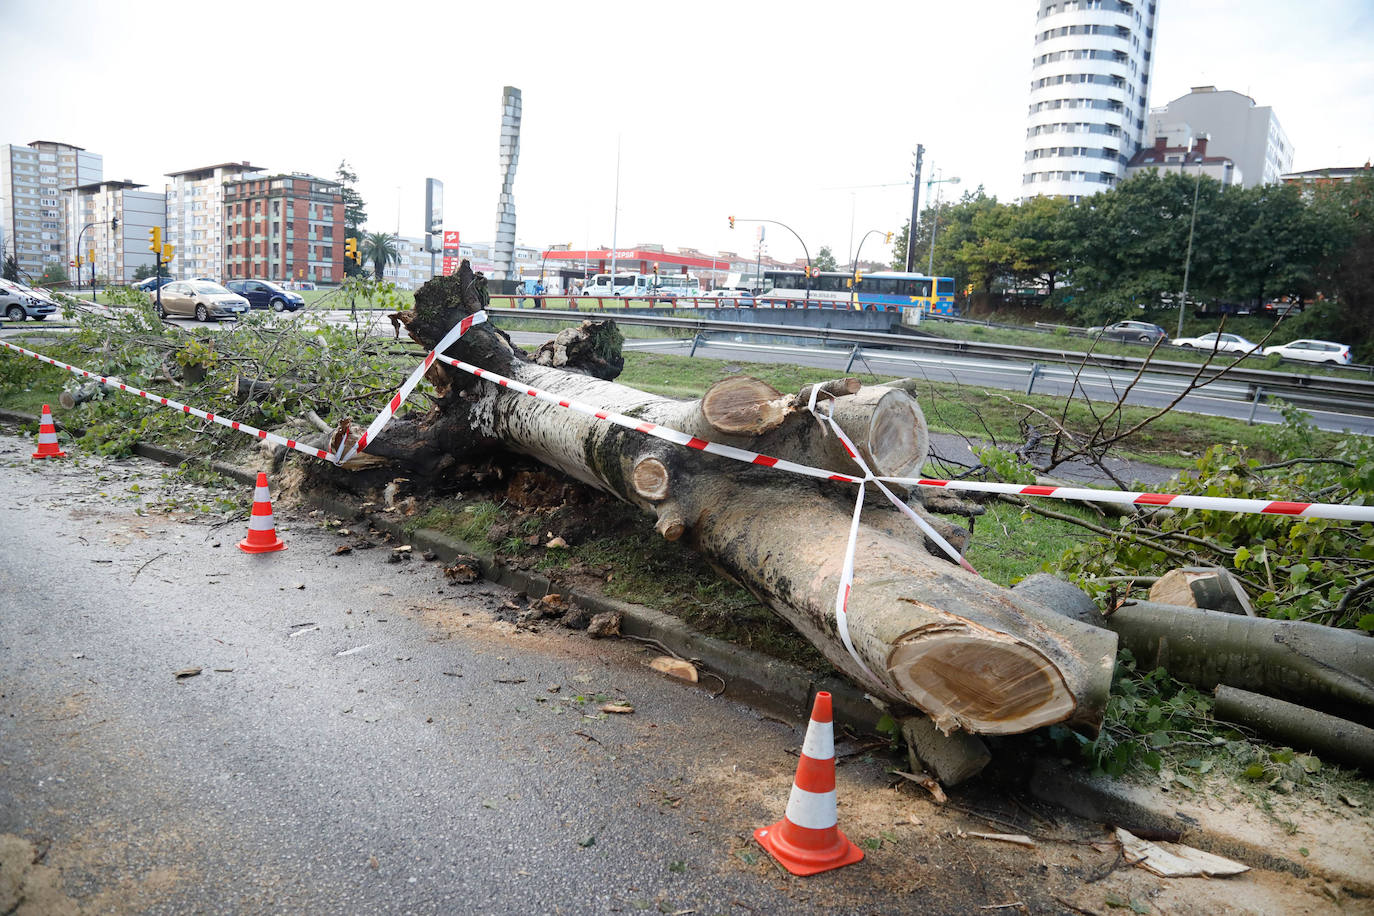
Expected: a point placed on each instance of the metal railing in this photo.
(1326, 392)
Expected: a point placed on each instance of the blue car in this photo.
(262, 294)
(151, 284)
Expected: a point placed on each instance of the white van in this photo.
(625, 286)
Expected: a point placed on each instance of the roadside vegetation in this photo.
(1305, 570)
(1120, 254)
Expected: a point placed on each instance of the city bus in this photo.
(916, 295)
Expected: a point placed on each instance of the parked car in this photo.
(1141, 331)
(740, 297)
(151, 284)
(1221, 343)
(200, 298)
(1313, 351)
(264, 295)
(18, 302)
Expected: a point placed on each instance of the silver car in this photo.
(199, 298)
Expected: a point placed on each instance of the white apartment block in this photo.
(35, 181)
(1089, 94)
(195, 217)
(1234, 126)
(114, 219)
(412, 270)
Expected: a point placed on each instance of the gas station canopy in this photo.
(633, 259)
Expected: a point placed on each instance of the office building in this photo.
(35, 183)
(1248, 134)
(1089, 92)
(195, 217)
(284, 228)
(115, 218)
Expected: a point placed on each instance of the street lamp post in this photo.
(854, 266)
(935, 222)
(78, 261)
(1188, 258)
(794, 234)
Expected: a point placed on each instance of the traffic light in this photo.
(167, 252)
(888, 239)
(77, 262)
(732, 222)
(155, 239)
(858, 276)
(351, 250)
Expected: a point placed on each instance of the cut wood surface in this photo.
(1207, 587)
(925, 632)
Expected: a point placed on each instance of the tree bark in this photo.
(925, 632)
(1331, 738)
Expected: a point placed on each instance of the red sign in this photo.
(450, 265)
(450, 241)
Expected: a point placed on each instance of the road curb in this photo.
(788, 689)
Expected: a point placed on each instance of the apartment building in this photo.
(1237, 128)
(412, 269)
(284, 227)
(1189, 158)
(35, 183)
(195, 217)
(115, 217)
(1089, 92)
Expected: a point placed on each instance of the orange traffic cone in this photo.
(47, 437)
(262, 532)
(808, 839)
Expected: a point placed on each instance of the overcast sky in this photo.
(802, 112)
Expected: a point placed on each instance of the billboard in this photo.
(450, 266)
(434, 213)
(451, 240)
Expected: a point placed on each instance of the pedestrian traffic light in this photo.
(732, 222)
(155, 239)
(167, 252)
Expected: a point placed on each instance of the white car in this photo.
(18, 302)
(1221, 343)
(1313, 351)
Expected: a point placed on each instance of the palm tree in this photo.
(380, 248)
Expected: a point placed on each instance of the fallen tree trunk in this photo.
(925, 632)
(1302, 662)
(1331, 738)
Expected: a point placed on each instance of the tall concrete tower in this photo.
(504, 251)
(1089, 94)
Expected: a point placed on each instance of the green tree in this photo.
(380, 248)
(11, 272)
(54, 274)
(355, 213)
(824, 259)
(144, 271)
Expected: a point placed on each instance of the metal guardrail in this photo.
(1349, 395)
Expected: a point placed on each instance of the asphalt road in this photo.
(363, 736)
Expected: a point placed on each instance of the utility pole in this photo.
(915, 211)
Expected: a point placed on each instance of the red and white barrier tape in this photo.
(1172, 500)
(177, 405)
(383, 418)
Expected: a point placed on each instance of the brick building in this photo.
(283, 228)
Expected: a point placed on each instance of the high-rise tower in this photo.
(1089, 94)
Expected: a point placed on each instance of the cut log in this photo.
(82, 394)
(1329, 737)
(924, 632)
(952, 759)
(1307, 663)
(1209, 587)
